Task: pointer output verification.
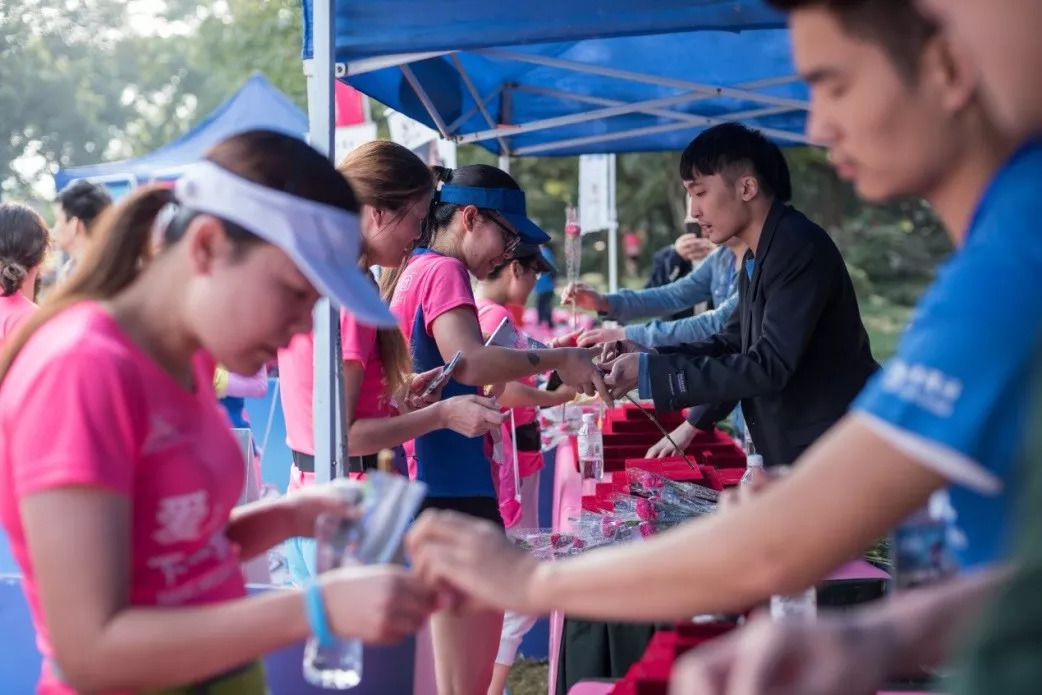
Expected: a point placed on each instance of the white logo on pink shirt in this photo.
(180, 517)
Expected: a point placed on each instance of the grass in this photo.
(528, 677)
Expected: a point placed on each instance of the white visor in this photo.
(321, 239)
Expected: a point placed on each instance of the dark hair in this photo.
(389, 176)
(527, 263)
(23, 245)
(440, 214)
(124, 246)
(85, 201)
(897, 26)
(730, 147)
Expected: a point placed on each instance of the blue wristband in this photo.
(316, 611)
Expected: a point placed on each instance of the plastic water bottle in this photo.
(753, 468)
(337, 665)
(387, 504)
(801, 606)
(591, 448)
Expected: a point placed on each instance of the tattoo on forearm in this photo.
(533, 359)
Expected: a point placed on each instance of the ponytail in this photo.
(115, 257)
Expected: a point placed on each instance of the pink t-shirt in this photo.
(297, 380)
(432, 283)
(430, 286)
(84, 405)
(13, 310)
(490, 315)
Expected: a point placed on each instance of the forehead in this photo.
(823, 49)
(700, 180)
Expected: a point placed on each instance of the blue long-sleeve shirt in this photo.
(714, 280)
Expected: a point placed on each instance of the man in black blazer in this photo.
(795, 353)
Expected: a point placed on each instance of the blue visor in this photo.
(508, 202)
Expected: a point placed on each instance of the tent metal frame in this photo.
(692, 92)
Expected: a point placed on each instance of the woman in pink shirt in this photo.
(394, 189)
(23, 245)
(121, 516)
(502, 296)
(475, 222)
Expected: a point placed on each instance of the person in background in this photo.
(715, 280)
(674, 262)
(23, 247)
(544, 288)
(394, 188)
(502, 297)
(79, 205)
(123, 519)
(474, 225)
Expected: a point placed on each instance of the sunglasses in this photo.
(511, 239)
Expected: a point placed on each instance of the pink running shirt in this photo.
(84, 405)
(13, 310)
(297, 380)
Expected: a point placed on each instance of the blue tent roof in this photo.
(257, 104)
(617, 76)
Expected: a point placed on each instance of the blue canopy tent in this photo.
(257, 104)
(618, 77)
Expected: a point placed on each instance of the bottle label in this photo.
(924, 545)
(590, 448)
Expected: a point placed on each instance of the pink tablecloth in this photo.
(568, 491)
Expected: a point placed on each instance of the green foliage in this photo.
(61, 85)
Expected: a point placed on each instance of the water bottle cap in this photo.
(589, 417)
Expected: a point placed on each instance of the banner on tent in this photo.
(597, 193)
(422, 140)
(349, 137)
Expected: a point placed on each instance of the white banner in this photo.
(597, 192)
(349, 137)
(424, 141)
(406, 131)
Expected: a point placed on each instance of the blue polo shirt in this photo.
(956, 394)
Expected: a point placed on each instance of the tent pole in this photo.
(330, 437)
(432, 111)
(504, 162)
(477, 99)
(613, 230)
(584, 117)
